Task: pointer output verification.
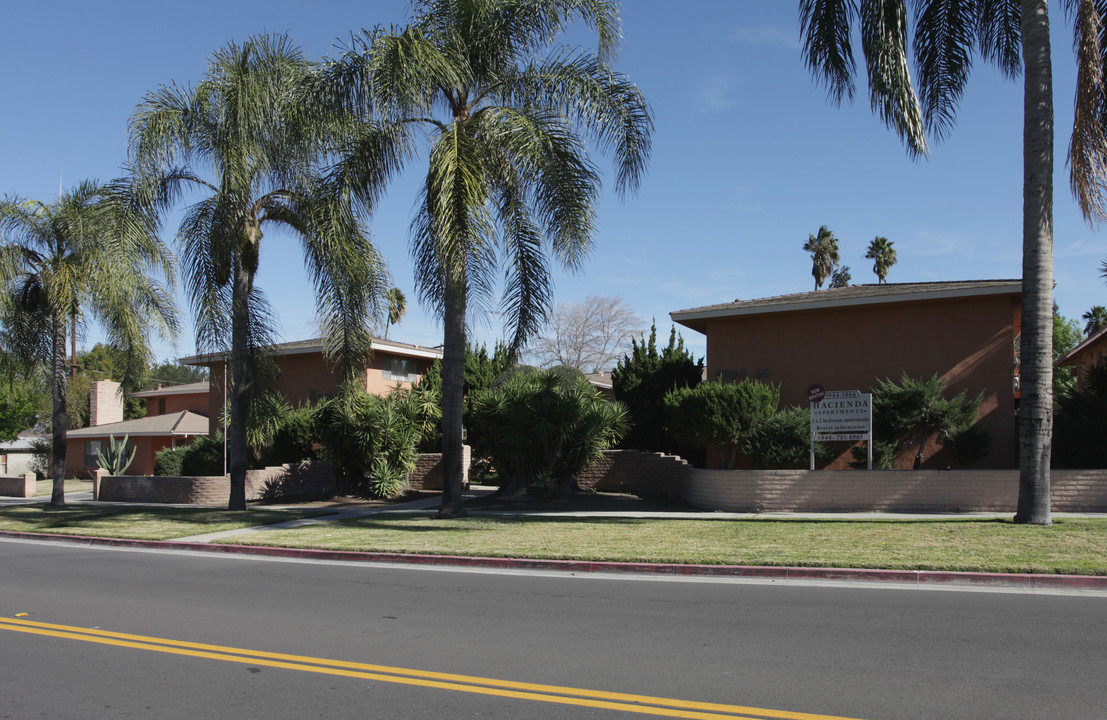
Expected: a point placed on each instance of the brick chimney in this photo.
(105, 403)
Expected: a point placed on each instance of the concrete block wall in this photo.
(427, 474)
(783, 491)
(270, 483)
(21, 486)
(632, 471)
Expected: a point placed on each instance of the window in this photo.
(3, 464)
(400, 370)
(93, 449)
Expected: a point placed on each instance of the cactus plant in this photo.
(116, 460)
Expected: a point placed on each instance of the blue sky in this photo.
(749, 158)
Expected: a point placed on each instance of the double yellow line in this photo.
(641, 704)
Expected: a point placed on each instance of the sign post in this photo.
(841, 415)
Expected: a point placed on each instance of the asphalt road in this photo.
(810, 650)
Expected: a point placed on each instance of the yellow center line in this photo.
(665, 707)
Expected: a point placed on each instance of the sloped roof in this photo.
(1070, 358)
(315, 345)
(195, 388)
(179, 423)
(853, 295)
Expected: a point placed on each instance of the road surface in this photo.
(112, 633)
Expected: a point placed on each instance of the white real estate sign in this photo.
(842, 415)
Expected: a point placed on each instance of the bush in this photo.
(542, 428)
(914, 411)
(202, 457)
(167, 462)
(720, 414)
(1080, 423)
(373, 441)
(783, 441)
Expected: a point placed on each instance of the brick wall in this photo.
(271, 483)
(21, 487)
(885, 491)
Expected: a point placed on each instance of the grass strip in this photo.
(1069, 546)
(139, 523)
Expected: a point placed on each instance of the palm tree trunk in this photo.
(1036, 404)
(236, 435)
(453, 395)
(60, 416)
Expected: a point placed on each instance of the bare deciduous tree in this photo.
(590, 335)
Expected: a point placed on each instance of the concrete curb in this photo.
(922, 578)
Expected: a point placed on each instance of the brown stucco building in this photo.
(850, 338)
(307, 377)
(176, 415)
(1085, 356)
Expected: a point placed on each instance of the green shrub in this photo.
(914, 411)
(783, 441)
(542, 428)
(720, 414)
(202, 457)
(372, 441)
(1080, 423)
(167, 462)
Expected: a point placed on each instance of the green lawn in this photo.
(1071, 546)
(1076, 546)
(140, 523)
(46, 487)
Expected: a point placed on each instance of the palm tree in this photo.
(1015, 36)
(883, 256)
(251, 124)
(824, 254)
(397, 308)
(508, 125)
(94, 253)
(1095, 320)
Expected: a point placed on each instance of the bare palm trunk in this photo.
(60, 416)
(236, 435)
(453, 394)
(1036, 404)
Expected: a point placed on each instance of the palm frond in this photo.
(891, 93)
(827, 49)
(945, 34)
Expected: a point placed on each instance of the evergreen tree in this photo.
(643, 378)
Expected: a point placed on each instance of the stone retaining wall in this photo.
(20, 487)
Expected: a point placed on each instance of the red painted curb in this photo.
(901, 577)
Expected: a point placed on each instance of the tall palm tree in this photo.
(1015, 36)
(397, 308)
(508, 123)
(824, 254)
(883, 256)
(93, 253)
(1095, 320)
(253, 127)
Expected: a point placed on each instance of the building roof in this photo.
(854, 295)
(182, 423)
(195, 388)
(1071, 357)
(315, 345)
